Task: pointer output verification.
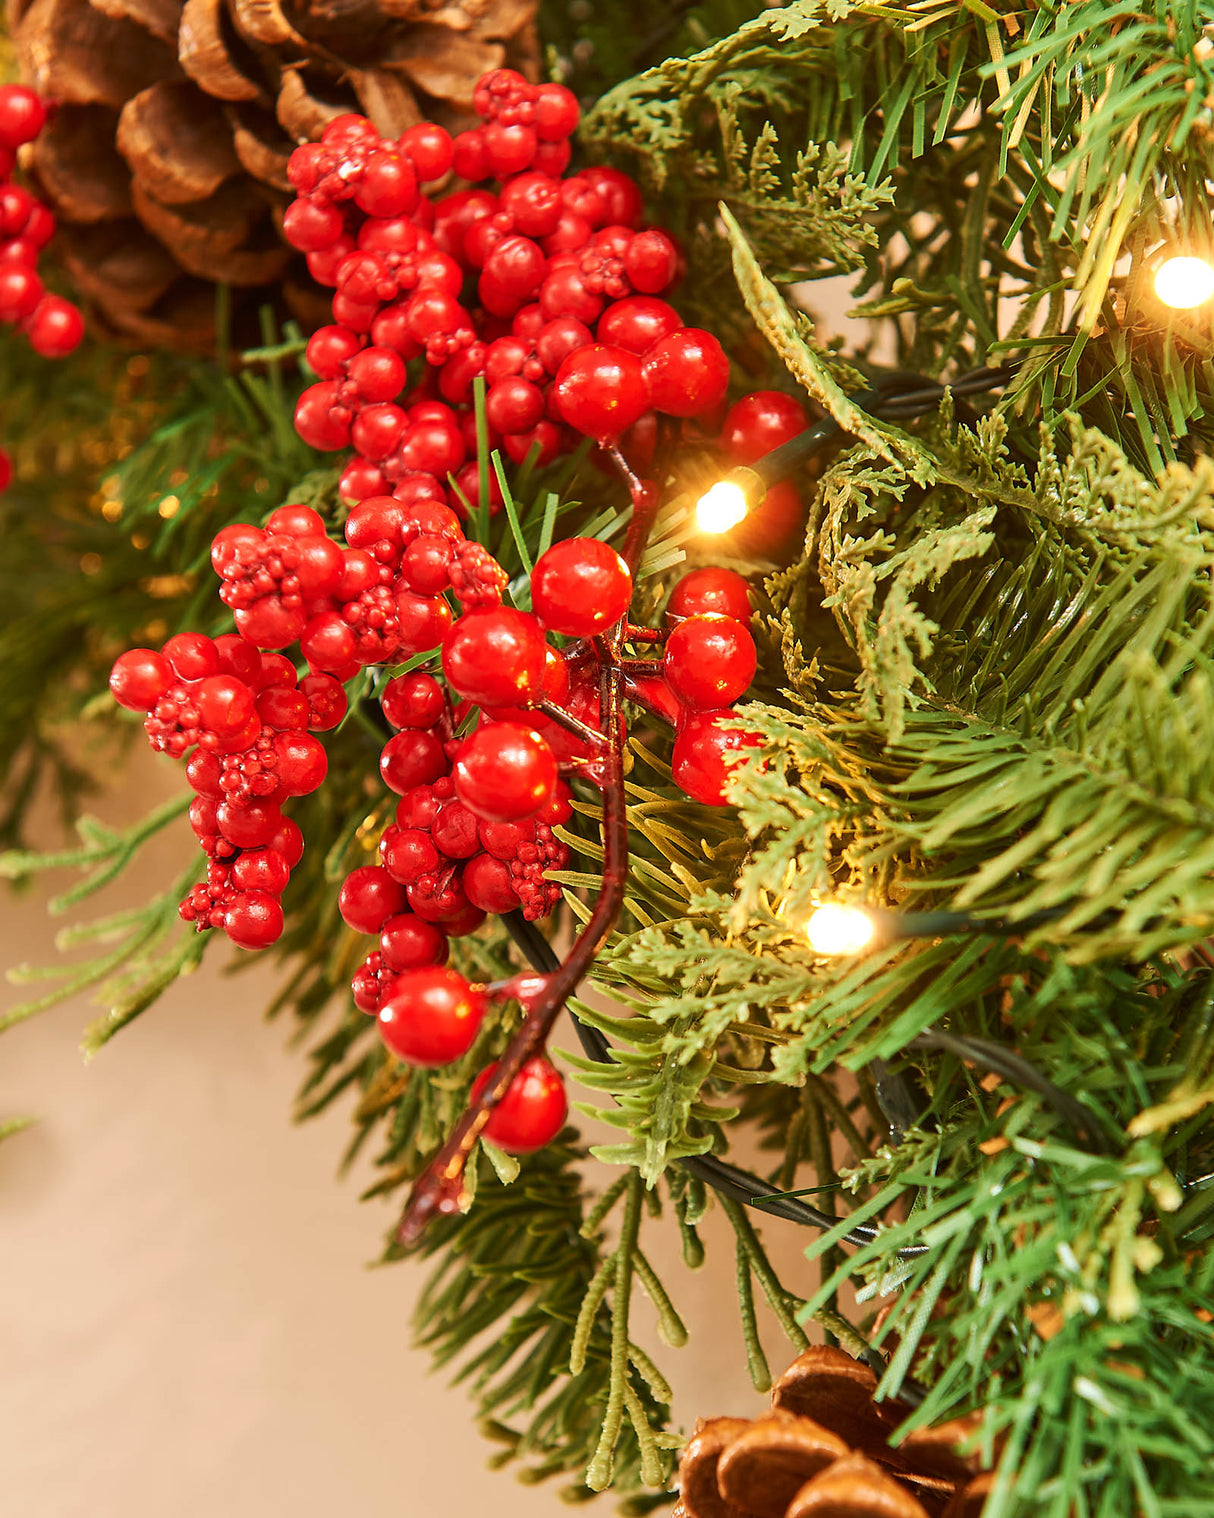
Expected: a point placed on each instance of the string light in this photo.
(1184, 282)
(724, 504)
(836, 928)
(721, 507)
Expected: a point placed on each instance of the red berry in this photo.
(760, 422)
(411, 758)
(622, 202)
(287, 840)
(651, 262)
(637, 322)
(302, 762)
(225, 705)
(22, 115)
(709, 660)
(601, 390)
(202, 771)
(388, 186)
(505, 772)
(408, 942)
(408, 853)
(687, 372)
(329, 351)
(296, 522)
(556, 112)
(327, 642)
(319, 418)
(20, 292)
(423, 622)
(429, 147)
(514, 405)
(6, 471)
(580, 587)
(413, 700)
(533, 1110)
(327, 703)
(432, 1016)
(268, 623)
(368, 897)
(509, 149)
(192, 655)
(139, 678)
(468, 156)
(488, 884)
(56, 327)
(418, 807)
(253, 920)
(699, 760)
(251, 826)
(454, 830)
(310, 224)
(496, 656)
(261, 870)
(711, 590)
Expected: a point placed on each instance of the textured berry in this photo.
(368, 897)
(711, 590)
(495, 656)
(411, 758)
(533, 1110)
(253, 920)
(408, 853)
(760, 422)
(139, 678)
(432, 1017)
(504, 772)
(601, 390)
(580, 587)
(263, 870)
(687, 372)
(413, 700)
(709, 660)
(699, 762)
(408, 942)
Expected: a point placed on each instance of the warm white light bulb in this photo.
(1183, 283)
(839, 929)
(721, 507)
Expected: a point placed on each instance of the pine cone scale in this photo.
(204, 53)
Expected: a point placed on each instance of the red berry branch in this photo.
(507, 709)
(53, 325)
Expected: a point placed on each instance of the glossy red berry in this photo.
(6, 471)
(601, 390)
(368, 897)
(22, 115)
(408, 942)
(287, 840)
(408, 853)
(429, 146)
(20, 292)
(56, 327)
(253, 920)
(533, 1110)
(302, 762)
(711, 590)
(709, 661)
(760, 422)
(580, 587)
(310, 224)
(651, 262)
(327, 703)
(637, 322)
(496, 656)
(699, 762)
(413, 700)
(687, 372)
(261, 870)
(411, 758)
(556, 112)
(225, 706)
(454, 830)
(193, 656)
(504, 772)
(139, 678)
(432, 1016)
(423, 622)
(489, 885)
(251, 826)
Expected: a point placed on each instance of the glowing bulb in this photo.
(839, 929)
(1183, 283)
(721, 507)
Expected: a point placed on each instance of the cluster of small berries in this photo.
(246, 722)
(53, 325)
(566, 325)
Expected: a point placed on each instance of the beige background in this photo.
(188, 1327)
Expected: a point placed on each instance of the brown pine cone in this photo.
(824, 1452)
(166, 160)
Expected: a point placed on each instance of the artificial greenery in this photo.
(986, 684)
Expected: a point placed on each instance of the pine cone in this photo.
(166, 160)
(824, 1452)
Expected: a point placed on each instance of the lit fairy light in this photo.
(721, 507)
(835, 928)
(1183, 283)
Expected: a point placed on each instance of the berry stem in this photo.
(572, 724)
(441, 1188)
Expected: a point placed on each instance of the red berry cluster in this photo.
(246, 721)
(548, 289)
(53, 325)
